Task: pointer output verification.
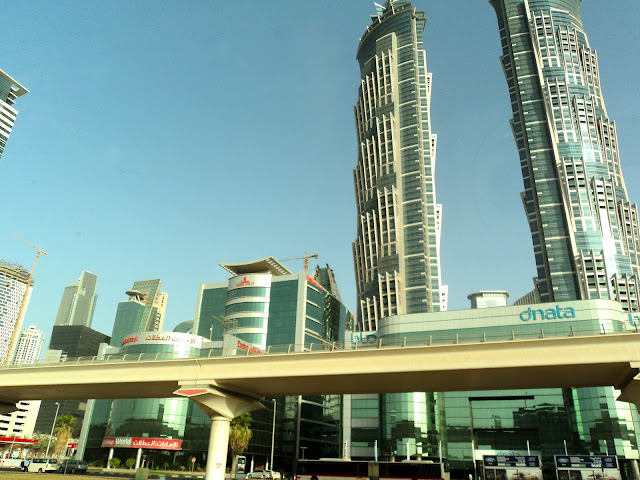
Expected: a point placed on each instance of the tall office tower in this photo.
(29, 346)
(10, 90)
(397, 249)
(396, 252)
(143, 312)
(584, 229)
(78, 301)
(13, 291)
(68, 341)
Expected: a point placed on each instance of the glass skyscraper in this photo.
(78, 301)
(584, 229)
(397, 249)
(10, 90)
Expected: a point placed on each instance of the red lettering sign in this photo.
(247, 348)
(129, 339)
(244, 283)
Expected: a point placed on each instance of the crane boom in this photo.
(306, 258)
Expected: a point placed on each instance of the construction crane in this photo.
(305, 258)
(23, 304)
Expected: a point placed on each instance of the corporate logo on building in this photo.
(634, 320)
(244, 283)
(548, 314)
(362, 338)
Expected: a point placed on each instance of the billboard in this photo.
(512, 467)
(587, 467)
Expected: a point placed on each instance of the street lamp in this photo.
(46, 455)
(273, 435)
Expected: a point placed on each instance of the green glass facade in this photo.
(465, 425)
(143, 312)
(270, 310)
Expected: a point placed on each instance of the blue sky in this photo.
(160, 138)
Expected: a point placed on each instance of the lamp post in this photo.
(46, 455)
(273, 435)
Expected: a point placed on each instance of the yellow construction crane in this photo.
(305, 258)
(23, 304)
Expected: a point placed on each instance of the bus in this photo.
(341, 469)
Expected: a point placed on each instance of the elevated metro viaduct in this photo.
(225, 387)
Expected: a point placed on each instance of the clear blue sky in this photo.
(160, 138)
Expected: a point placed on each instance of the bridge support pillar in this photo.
(631, 391)
(221, 406)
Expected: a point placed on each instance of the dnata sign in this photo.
(548, 314)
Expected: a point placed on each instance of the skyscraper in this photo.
(13, 291)
(397, 249)
(143, 312)
(10, 90)
(585, 231)
(29, 346)
(78, 301)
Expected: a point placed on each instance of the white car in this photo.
(264, 474)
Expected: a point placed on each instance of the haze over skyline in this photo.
(157, 141)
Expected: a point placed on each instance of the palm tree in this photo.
(63, 431)
(239, 436)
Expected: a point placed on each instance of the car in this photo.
(72, 466)
(264, 474)
(42, 465)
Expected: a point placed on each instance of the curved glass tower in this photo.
(396, 252)
(397, 249)
(584, 229)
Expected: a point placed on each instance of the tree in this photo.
(114, 462)
(130, 462)
(63, 431)
(239, 437)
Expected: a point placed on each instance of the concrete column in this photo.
(110, 457)
(138, 457)
(218, 445)
(221, 406)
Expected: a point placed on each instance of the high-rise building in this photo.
(143, 312)
(78, 301)
(29, 346)
(21, 423)
(263, 306)
(14, 290)
(584, 229)
(68, 341)
(397, 249)
(10, 90)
